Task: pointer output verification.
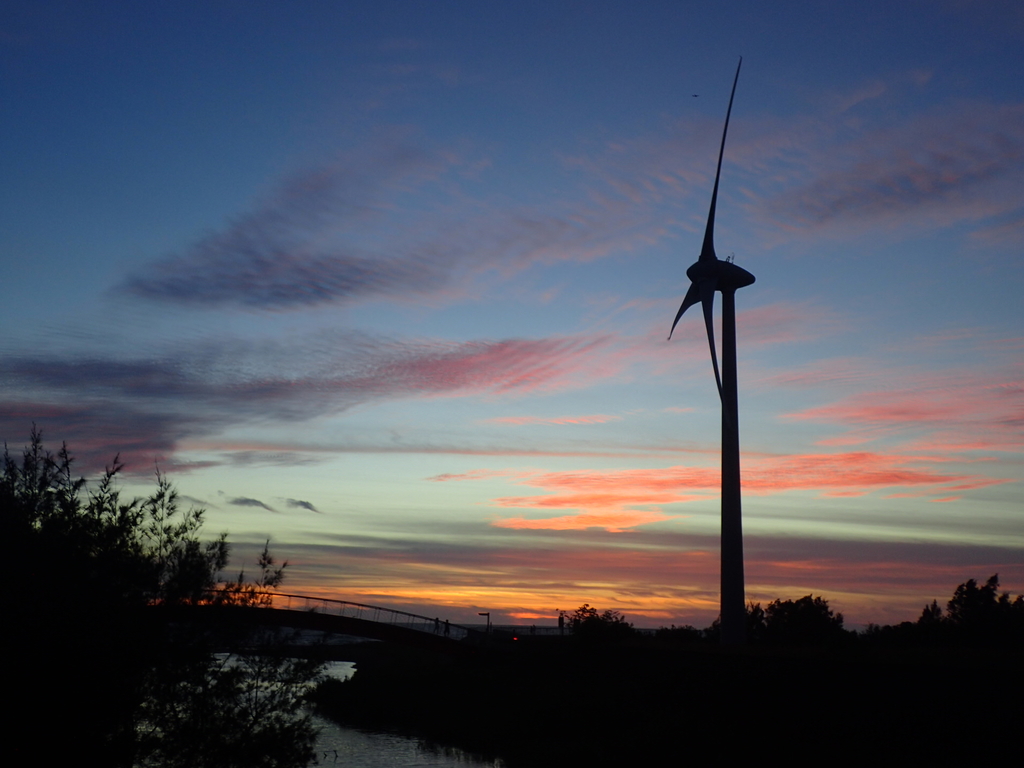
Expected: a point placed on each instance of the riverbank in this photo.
(547, 704)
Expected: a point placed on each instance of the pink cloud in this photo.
(904, 408)
(954, 413)
(519, 365)
(857, 471)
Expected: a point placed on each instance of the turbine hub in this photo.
(727, 276)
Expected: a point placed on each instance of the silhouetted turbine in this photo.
(710, 274)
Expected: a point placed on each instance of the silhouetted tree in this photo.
(588, 623)
(932, 614)
(980, 615)
(238, 710)
(976, 615)
(95, 664)
(807, 621)
(756, 628)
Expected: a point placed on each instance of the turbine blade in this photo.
(707, 251)
(707, 298)
(691, 298)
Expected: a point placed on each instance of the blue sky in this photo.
(389, 284)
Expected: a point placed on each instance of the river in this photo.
(352, 748)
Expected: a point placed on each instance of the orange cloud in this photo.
(609, 498)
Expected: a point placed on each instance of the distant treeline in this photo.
(975, 616)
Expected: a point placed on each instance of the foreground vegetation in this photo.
(100, 675)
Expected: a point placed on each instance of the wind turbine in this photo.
(710, 274)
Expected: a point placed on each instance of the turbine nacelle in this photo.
(727, 276)
(710, 274)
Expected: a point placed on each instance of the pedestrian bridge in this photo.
(340, 617)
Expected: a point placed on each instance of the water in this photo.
(341, 746)
(348, 747)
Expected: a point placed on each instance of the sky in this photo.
(390, 284)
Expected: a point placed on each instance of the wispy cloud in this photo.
(832, 168)
(242, 501)
(145, 406)
(827, 372)
(859, 157)
(296, 248)
(271, 457)
(785, 323)
(1004, 230)
(366, 228)
(951, 166)
(597, 418)
(299, 504)
(359, 369)
(863, 93)
(612, 520)
(941, 412)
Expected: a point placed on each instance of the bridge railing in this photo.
(375, 613)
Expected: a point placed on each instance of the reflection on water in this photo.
(347, 747)
(341, 746)
(340, 670)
